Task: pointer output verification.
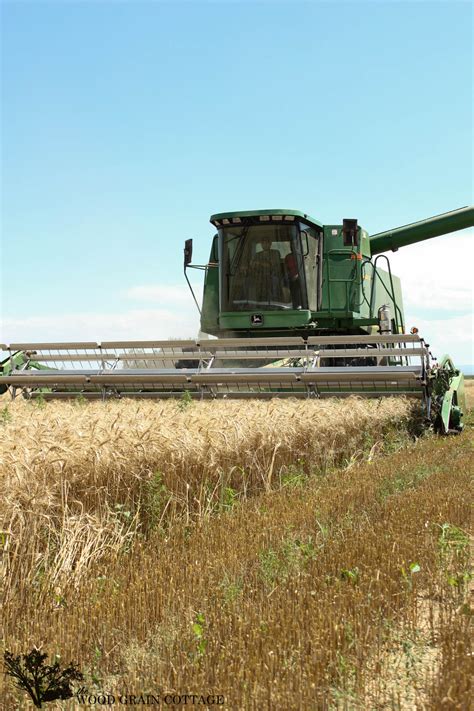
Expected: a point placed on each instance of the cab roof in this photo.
(257, 213)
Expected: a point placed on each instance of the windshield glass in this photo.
(263, 267)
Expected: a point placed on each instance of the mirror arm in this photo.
(192, 291)
(188, 255)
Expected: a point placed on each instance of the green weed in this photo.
(39, 402)
(156, 497)
(452, 539)
(408, 573)
(351, 574)
(229, 497)
(276, 565)
(453, 544)
(410, 480)
(293, 477)
(5, 415)
(198, 628)
(185, 400)
(231, 588)
(122, 513)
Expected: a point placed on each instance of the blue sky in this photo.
(125, 125)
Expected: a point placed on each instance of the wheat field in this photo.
(280, 554)
(70, 471)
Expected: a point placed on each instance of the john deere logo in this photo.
(256, 319)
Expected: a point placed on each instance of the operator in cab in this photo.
(268, 272)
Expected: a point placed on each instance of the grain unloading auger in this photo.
(300, 309)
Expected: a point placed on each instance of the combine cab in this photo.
(299, 309)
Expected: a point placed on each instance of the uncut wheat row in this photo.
(80, 479)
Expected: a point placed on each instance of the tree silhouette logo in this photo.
(43, 682)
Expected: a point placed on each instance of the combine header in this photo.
(300, 309)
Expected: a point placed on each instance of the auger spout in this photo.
(425, 229)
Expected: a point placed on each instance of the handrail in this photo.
(391, 295)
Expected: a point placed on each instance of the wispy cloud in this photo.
(437, 274)
(447, 335)
(133, 324)
(438, 292)
(422, 293)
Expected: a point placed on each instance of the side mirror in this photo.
(349, 230)
(188, 252)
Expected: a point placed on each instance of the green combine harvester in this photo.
(299, 309)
